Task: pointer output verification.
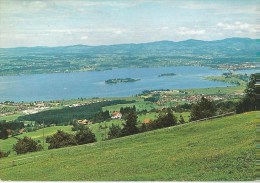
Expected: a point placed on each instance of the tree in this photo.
(181, 120)
(130, 126)
(248, 102)
(3, 134)
(164, 120)
(114, 131)
(26, 145)
(85, 136)
(61, 139)
(202, 109)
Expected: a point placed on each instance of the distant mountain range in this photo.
(229, 46)
(43, 59)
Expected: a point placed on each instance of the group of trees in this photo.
(202, 109)
(130, 126)
(58, 140)
(62, 139)
(13, 127)
(126, 110)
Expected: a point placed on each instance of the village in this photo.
(164, 98)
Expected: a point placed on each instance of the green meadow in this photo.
(214, 150)
(101, 133)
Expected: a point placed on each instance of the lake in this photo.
(43, 87)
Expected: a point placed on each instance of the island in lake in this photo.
(167, 74)
(120, 80)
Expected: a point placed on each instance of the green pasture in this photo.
(216, 90)
(215, 150)
(11, 117)
(7, 145)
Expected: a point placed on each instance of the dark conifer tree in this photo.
(130, 126)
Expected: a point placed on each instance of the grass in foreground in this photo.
(219, 149)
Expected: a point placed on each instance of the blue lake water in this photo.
(92, 84)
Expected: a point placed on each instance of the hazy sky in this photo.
(102, 22)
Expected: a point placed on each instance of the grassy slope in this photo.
(6, 145)
(220, 149)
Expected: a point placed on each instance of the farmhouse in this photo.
(84, 122)
(146, 121)
(116, 115)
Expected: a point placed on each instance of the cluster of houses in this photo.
(114, 115)
(193, 98)
(232, 66)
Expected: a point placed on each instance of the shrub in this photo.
(114, 131)
(4, 154)
(85, 136)
(181, 120)
(3, 134)
(61, 139)
(77, 126)
(26, 145)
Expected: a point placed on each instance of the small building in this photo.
(116, 115)
(85, 122)
(146, 121)
(21, 131)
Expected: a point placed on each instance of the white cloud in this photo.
(117, 31)
(188, 31)
(237, 26)
(165, 28)
(84, 37)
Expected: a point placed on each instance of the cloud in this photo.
(188, 31)
(237, 26)
(165, 28)
(84, 37)
(117, 31)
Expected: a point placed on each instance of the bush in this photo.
(181, 120)
(114, 131)
(4, 154)
(77, 126)
(26, 145)
(85, 136)
(61, 139)
(3, 134)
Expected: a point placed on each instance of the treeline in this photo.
(10, 128)
(131, 127)
(66, 115)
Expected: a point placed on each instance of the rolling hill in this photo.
(213, 150)
(31, 60)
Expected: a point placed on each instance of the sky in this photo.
(105, 22)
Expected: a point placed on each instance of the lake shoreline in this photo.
(63, 86)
